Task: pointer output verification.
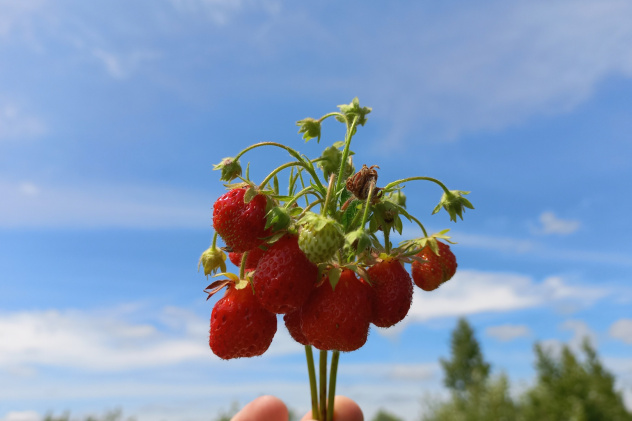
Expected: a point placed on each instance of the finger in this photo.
(263, 408)
(345, 409)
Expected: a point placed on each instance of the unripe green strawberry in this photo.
(319, 237)
(240, 327)
(392, 292)
(338, 319)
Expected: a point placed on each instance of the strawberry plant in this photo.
(318, 250)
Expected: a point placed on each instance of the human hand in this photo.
(270, 408)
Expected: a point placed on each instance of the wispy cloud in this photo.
(487, 67)
(111, 340)
(538, 249)
(94, 341)
(622, 330)
(221, 11)
(35, 204)
(508, 332)
(552, 224)
(473, 292)
(121, 65)
(15, 124)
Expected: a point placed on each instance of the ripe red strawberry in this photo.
(251, 261)
(240, 327)
(241, 225)
(338, 319)
(429, 275)
(293, 323)
(284, 277)
(392, 292)
(448, 261)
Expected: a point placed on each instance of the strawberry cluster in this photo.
(327, 266)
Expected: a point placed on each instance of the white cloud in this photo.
(221, 11)
(15, 14)
(581, 332)
(35, 204)
(539, 249)
(14, 124)
(111, 340)
(472, 292)
(551, 224)
(622, 330)
(508, 332)
(22, 416)
(95, 341)
(486, 66)
(122, 65)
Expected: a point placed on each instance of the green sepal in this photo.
(310, 129)
(334, 276)
(230, 169)
(454, 203)
(250, 194)
(278, 218)
(361, 237)
(212, 259)
(354, 110)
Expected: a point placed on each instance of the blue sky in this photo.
(112, 114)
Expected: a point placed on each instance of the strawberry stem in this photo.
(309, 355)
(276, 171)
(335, 356)
(390, 186)
(323, 209)
(242, 266)
(323, 386)
(308, 207)
(345, 153)
(367, 205)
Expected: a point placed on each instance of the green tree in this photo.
(475, 396)
(382, 415)
(466, 369)
(568, 389)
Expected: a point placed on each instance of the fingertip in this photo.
(265, 407)
(346, 409)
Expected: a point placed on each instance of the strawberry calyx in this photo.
(233, 280)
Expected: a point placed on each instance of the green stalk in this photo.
(324, 208)
(307, 165)
(242, 266)
(345, 153)
(256, 145)
(387, 241)
(335, 356)
(322, 416)
(276, 171)
(367, 205)
(308, 207)
(312, 378)
(404, 180)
